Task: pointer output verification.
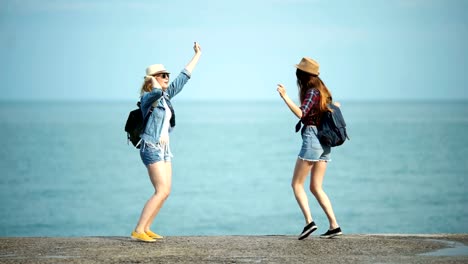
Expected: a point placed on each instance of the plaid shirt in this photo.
(309, 107)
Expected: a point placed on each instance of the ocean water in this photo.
(66, 170)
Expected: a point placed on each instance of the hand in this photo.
(196, 48)
(163, 140)
(337, 104)
(153, 81)
(281, 90)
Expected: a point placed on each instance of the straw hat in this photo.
(308, 65)
(155, 68)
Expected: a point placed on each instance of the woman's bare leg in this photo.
(162, 185)
(168, 176)
(301, 171)
(317, 175)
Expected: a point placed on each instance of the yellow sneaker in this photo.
(141, 237)
(153, 235)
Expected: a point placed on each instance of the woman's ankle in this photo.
(139, 230)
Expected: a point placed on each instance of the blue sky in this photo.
(368, 50)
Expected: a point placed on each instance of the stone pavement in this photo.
(238, 249)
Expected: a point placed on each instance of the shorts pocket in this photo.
(310, 141)
(153, 149)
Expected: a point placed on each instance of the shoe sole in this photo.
(156, 238)
(332, 235)
(140, 240)
(307, 232)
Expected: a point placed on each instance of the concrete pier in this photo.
(439, 248)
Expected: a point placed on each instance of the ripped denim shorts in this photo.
(311, 149)
(151, 153)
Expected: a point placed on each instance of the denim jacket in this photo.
(152, 131)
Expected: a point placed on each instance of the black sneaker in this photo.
(332, 233)
(308, 229)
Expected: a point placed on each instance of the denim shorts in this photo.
(152, 153)
(311, 149)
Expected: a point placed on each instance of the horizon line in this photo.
(376, 100)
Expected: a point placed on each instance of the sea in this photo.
(66, 169)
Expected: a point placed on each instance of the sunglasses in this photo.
(163, 75)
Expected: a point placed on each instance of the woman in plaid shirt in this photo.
(313, 156)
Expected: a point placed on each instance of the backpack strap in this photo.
(298, 125)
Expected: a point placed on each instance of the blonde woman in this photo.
(313, 156)
(156, 93)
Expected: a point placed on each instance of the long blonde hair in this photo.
(146, 86)
(307, 81)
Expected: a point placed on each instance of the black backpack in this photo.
(332, 128)
(136, 124)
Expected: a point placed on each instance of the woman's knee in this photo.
(297, 186)
(316, 190)
(163, 192)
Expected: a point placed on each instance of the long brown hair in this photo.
(307, 81)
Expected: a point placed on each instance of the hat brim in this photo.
(313, 73)
(158, 72)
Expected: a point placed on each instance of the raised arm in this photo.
(179, 82)
(292, 106)
(193, 62)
